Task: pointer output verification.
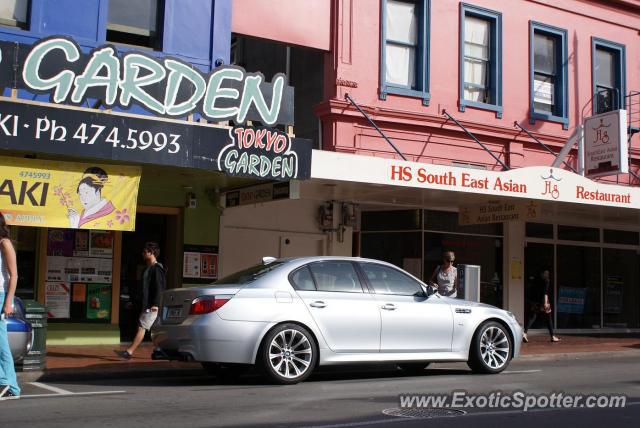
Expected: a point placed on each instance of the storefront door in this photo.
(149, 227)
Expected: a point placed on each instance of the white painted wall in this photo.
(283, 228)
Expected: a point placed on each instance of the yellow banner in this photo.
(68, 195)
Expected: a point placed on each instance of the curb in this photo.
(579, 355)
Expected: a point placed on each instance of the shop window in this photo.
(79, 275)
(577, 301)
(448, 222)
(135, 22)
(391, 220)
(549, 74)
(608, 75)
(621, 294)
(574, 233)
(405, 48)
(481, 59)
(403, 249)
(14, 13)
(624, 237)
(483, 251)
(539, 230)
(336, 276)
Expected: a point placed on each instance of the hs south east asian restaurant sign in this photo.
(536, 183)
(165, 87)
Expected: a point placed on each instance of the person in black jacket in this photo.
(153, 284)
(540, 305)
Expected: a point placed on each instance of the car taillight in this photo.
(206, 305)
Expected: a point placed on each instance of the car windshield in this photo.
(248, 275)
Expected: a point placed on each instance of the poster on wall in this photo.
(81, 247)
(101, 244)
(60, 242)
(613, 302)
(191, 265)
(208, 266)
(57, 299)
(55, 268)
(68, 195)
(98, 301)
(571, 300)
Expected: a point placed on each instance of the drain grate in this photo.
(421, 413)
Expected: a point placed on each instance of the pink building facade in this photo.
(508, 73)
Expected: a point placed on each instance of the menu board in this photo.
(200, 263)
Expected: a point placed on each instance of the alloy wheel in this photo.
(290, 353)
(494, 347)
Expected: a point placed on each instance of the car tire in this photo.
(288, 354)
(413, 368)
(491, 348)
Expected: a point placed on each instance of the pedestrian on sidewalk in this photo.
(8, 282)
(445, 276)
(540, 305)
(153, 284)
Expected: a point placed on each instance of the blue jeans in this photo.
(7, 370)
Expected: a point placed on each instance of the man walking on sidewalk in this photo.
(153, 284)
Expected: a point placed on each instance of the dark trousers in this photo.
(548, 317)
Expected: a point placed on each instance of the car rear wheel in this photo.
(413, 368)
(288, 354)
(490, 350)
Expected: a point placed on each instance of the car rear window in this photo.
(248, 275)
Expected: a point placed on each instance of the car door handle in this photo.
(318, 304)
(389, 307)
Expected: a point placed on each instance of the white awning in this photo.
(537, 183)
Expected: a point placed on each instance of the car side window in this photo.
(301, 280)
(386, 280)
(338, 276)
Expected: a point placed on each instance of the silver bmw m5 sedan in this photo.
(288, 316)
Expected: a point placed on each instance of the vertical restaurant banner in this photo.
(68, 195)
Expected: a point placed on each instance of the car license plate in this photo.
(174, 312)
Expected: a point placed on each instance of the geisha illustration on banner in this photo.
(68, 195)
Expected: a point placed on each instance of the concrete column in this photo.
(514, 268)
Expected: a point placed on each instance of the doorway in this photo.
(157, 227)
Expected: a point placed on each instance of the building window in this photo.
(135, 22)
(481, 59)
(549, 74)
(14, 13)
(405, 48)
(608, 75)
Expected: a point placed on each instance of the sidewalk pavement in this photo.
(93, 362)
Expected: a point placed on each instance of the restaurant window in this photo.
(480, 64)
(14, 13)
(539, 230)
(608, 76)
(135, 22)
(575, 233)
(549, 74)
(405, 48)
(625, 237)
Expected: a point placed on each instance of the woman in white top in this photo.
(8, 282)
(445, 277)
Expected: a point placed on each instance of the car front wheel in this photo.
(490, 350)
(288, 354)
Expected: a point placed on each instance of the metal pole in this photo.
(504, 165)
(517, 125)
(348, 97)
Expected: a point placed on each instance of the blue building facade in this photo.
(195, 31)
